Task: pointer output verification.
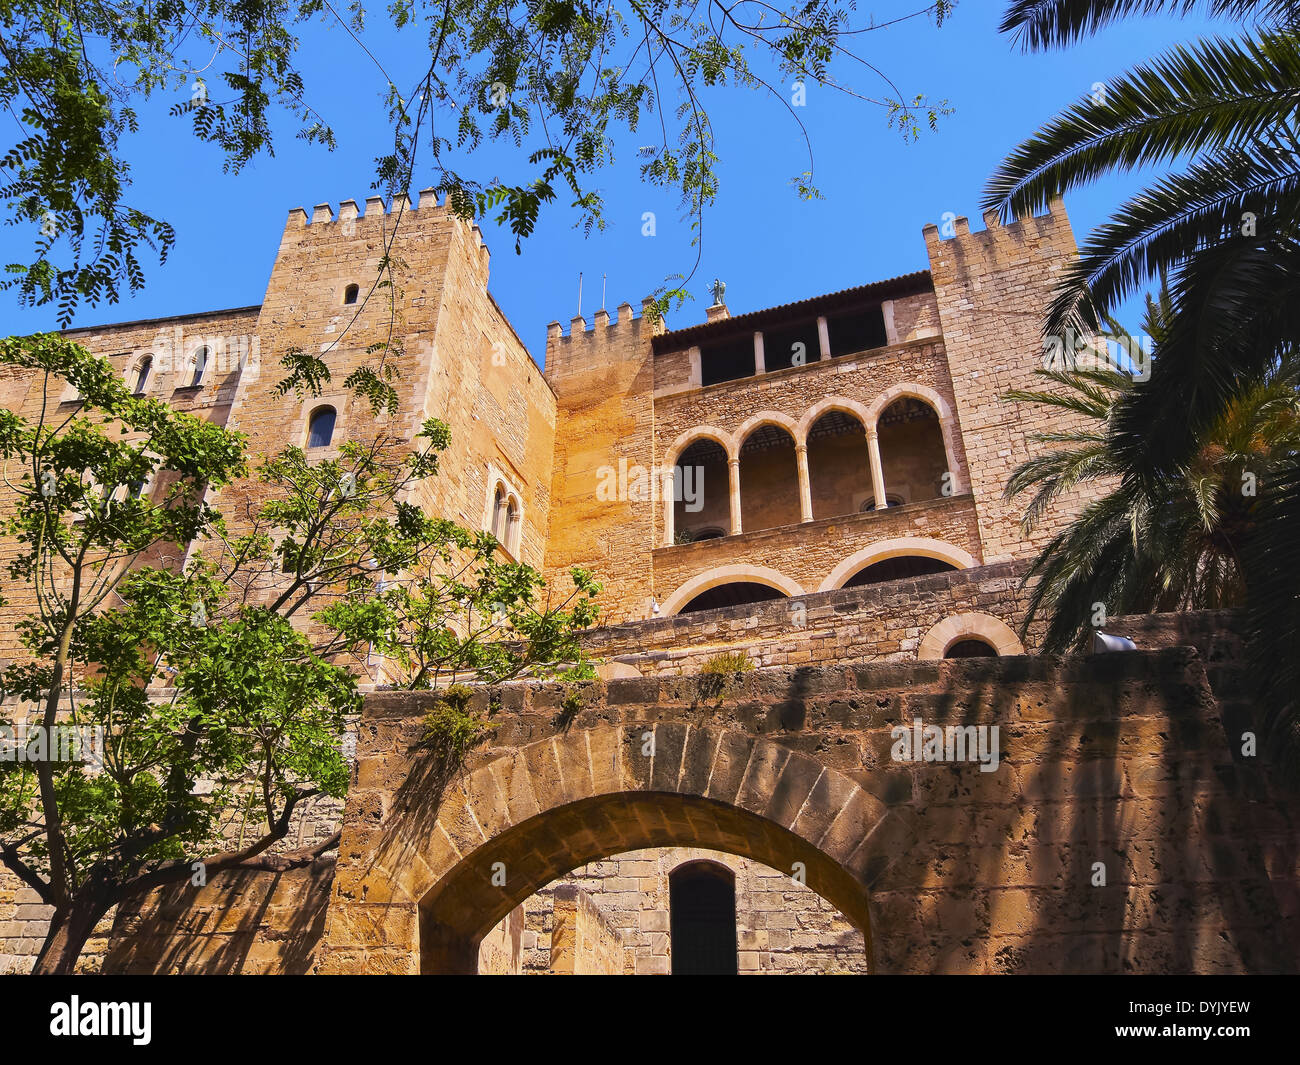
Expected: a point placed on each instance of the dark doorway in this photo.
(702, 904)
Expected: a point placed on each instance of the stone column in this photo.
(877, 469)
(805, 483)
(760, 360)
(824, 337)
(733, 485)
(499, 521)
(670, 506)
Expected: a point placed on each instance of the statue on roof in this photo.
(719, 292)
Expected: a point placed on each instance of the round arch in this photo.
(949, 631)
(558, 803)
(851, 407)
(755, 421)
(702, 582)
(902, 545)
(947, 423)
(699, 432)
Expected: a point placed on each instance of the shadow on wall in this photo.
(246, 922)
(1120, 831)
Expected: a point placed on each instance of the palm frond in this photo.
(1195, 98)
(1041, 24)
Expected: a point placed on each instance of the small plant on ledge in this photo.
(452, 730)
(717, 674)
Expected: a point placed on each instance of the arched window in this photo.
(912, 454)
(971, 647)
(702, 919)
(897, 569)
(511, 538)
(701, 495)
(200, 365)
(839, 465)
(497, 520)
(142, 375)
(350, 295)
(734, 593)
(769, 480)
(320, 428)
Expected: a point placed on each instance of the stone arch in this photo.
(429, 889)
(755, 421)
(702, 582)
(902, 545)
(950, 630)
(699, 432)
(860, 411)
(947, 422)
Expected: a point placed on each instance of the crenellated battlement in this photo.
(323, 213)
(608, 339)
(422, 212)
(994, 231)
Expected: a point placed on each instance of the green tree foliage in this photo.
(563, 80)
(218, 659)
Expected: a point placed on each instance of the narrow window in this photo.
(498, 517)
(350, 295)
(320, 429)
(511, 540)
(702, 916)
(142, 376)
(200, 364)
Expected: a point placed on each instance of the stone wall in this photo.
(1113, 763)
(266, 923)
(583, 942)
(601, 520)
(993, 289)
(879, 622)
(781, 925)
(805, 557)
(1117, 759)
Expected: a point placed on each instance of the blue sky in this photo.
(768, 245)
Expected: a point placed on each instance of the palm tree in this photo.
(1169, 543)
(1176, 543)
(1225, 227)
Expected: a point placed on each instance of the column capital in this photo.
(734, 462)
(801, 448)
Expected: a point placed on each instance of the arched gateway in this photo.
(420, 881)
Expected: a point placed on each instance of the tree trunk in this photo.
(67, 935)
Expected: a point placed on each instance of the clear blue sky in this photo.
(769, 246)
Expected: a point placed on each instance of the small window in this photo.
(350, 295)
(868, 505)
(511, 539)
(142, 376)
(497, 519)
(320, 429)
(694, 536)
(971, 647)
(200, 365)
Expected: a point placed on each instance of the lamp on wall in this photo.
(1102, 642)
